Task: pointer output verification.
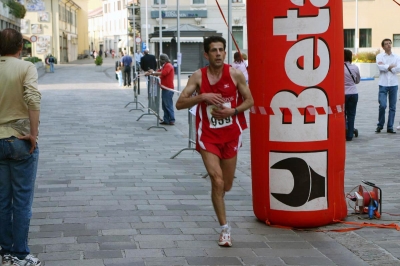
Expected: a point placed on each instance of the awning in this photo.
(182, 39)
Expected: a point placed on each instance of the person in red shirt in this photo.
(166, 74)
(222, 97)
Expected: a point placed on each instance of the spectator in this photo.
(19, 153)
(389, 65)
(351, 78)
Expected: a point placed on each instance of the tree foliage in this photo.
(16, 9)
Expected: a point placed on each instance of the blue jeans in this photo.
(168, 106)
(17, 181)
(384, 93)
(350, 106)
(52, 67)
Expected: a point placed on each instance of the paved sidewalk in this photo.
(109, 194)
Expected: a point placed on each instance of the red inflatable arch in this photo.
(297, 122)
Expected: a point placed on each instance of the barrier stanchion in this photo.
(154, 95)
(135, 93)
(192, 133)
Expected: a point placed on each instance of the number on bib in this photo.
(218, 123)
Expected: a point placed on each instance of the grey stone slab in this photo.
(269, 252)
(229, 252)
(176, 261)
(72, 247)
(309, 261)
(124, 262)
(60, 255)
(144, 253)
(289, 245)
(261, 261)
(117, 245)
(213, 261)
(184, 252)
(94, 262)
(102, 254)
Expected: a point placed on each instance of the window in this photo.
(396, 40)
(349, 38)
(156, 2)
(119, 5)
(237, 32)
(105, 8)
(365, 37)
(156, 28)
(198, 2)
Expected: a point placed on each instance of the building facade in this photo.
(201, 13)
(6, 19)
(55, 27)
(376, 21)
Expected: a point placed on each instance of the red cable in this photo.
(233, 38)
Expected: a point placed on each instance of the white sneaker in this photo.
(6, 260)
(398, 127)
(225, 238)
(29, 260)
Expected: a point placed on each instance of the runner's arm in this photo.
(244, 90)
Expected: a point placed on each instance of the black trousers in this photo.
(126, 75)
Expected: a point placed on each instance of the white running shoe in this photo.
(6, 260)
(225, 238)
(29, 260)
(398, 127)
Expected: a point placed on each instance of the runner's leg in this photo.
(213, 166)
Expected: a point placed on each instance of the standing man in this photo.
(222, 97)
(51, 62)
(166, 74)
(389, 65)
(19, 152)
(126, 62)
(148, 61)
(138, 56)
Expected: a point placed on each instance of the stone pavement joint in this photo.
(108, 193)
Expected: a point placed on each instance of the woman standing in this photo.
(241, 65)
(351, 78)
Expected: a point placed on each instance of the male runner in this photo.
(222, 97)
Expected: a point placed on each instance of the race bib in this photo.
(218, 123)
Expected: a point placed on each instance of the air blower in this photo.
(369, 202)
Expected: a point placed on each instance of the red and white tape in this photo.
(311, 110)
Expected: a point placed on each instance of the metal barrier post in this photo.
(135, 81)
(154, 95)
(192, 135)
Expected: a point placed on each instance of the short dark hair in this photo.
(237, 57)
(348, 55)
(212, 39)
(384, 40)
(10, 41)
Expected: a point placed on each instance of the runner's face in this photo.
(216, 55)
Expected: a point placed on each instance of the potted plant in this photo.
(98, 61)
(366, 62)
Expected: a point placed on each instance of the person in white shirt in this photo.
(351, 78)
(239, 63)
(389, 65)
(138, 57)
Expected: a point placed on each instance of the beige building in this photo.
(55, 27)
(377, 20)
